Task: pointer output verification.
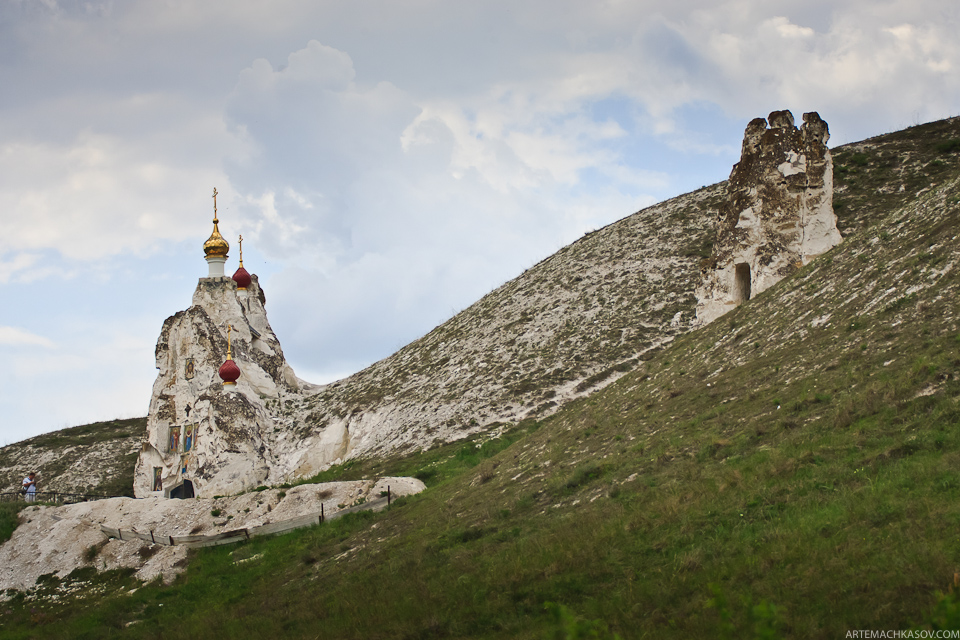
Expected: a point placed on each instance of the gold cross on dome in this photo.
(215, 204)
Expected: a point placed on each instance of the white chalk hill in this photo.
(576, 321)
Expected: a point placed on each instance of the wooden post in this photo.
(120, 533)
(152, 538)
(321, 513)
(171, 541)
(388, 495)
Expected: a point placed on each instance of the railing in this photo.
(55, 497)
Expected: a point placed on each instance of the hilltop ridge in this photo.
(571, 324)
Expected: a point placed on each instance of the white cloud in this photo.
(98, 196)
(390, 162)
(12, 336)
(387, 208)
(21, 268)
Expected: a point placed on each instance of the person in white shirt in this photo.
(30, 487)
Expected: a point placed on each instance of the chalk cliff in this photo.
(205, 438)
(778, 214)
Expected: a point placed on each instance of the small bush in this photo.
(82, 574)
(584, 475)
(90, 553)
(860, 159)
(946, 613)
(569, 626)
(9, 519)
(463, 536)
(763, 621)
(216, 512)
(425, 474)
(948, 146)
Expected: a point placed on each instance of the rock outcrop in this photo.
(568, 326)
(203, 438)
(58, 540)
(778, 215)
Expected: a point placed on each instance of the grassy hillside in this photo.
(789, 470)
(95, 458)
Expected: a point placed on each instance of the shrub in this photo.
(948, 146)
(860, 159)
(584, 475)
(569, 626)
(9, 519)
(90, 553)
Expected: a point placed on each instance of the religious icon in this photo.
(189, 369)
(188, 437)
(174, 438)
(157, 479)
(183, 465)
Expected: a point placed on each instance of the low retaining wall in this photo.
(238, 535)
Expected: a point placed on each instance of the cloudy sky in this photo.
(387, 161)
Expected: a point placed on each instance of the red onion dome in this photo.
(242, 278)
(229, 372)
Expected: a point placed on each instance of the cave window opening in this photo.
(182, 491)
(741, 289)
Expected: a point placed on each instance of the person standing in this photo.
(30, 487)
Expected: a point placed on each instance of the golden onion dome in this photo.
(215, 246)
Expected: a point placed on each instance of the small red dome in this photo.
(229, 372)
(242, 278)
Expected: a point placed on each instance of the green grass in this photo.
(8, 518)
(842, 516)
(766, 476)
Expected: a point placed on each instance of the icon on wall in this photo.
(174, 438)
(157, 479)
(188, 436)
(189, 369)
